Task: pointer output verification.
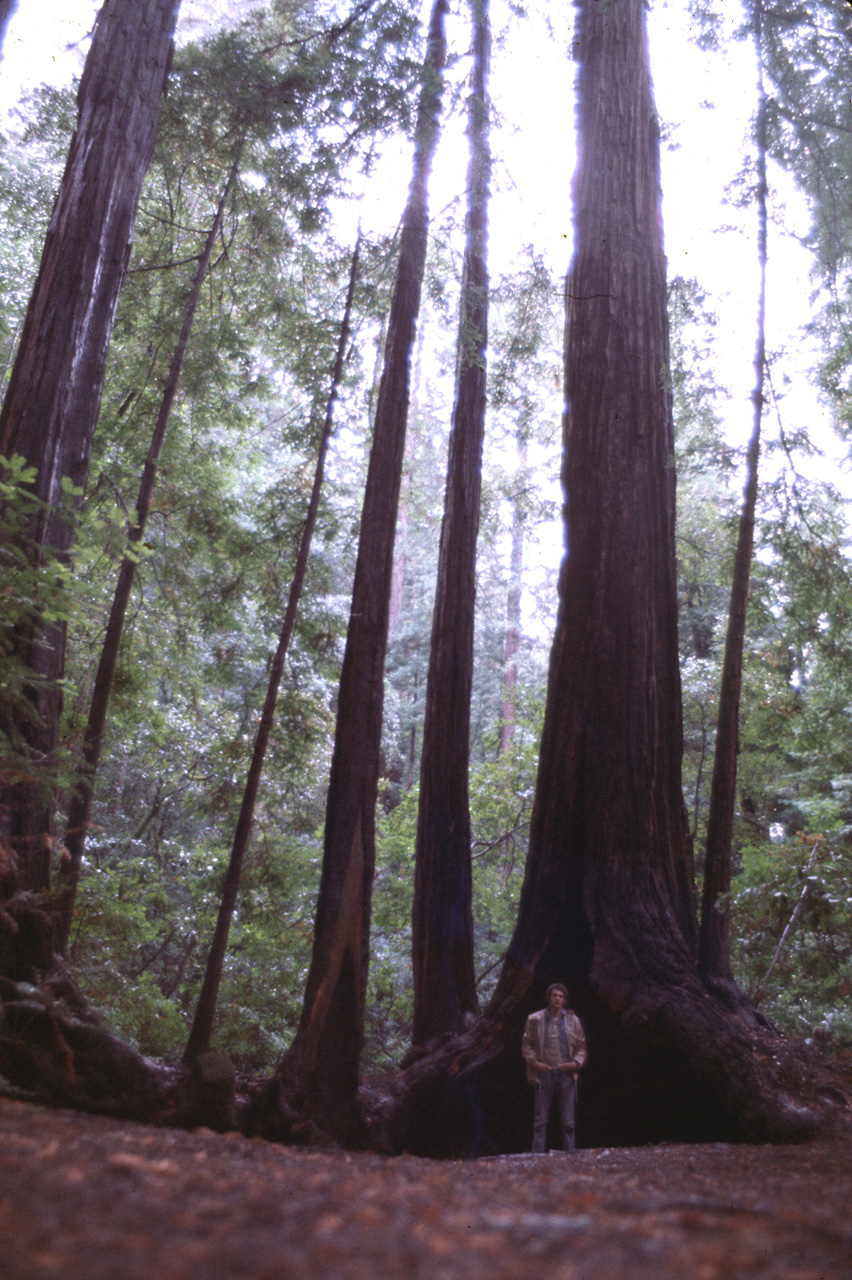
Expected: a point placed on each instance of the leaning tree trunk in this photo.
(319, 1073)
(80, 807)
(53, 397)
(714, 944)
(205, 1013)
(442, 917)
(607, 903)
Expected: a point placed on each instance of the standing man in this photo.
(555, 1049)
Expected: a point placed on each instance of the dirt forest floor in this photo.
(86, 1198)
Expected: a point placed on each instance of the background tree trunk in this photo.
(320, 1070)
(442, 918)
(52, 401)
(714, 947)
(608, 902)
(205, 1013)
(80, 807)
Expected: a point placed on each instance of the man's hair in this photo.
(556, 986)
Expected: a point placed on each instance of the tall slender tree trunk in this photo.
(54, 393)
(320, 1070)
(205, 1013)
(607, 903)
(80, 807)
(714, 949)
(442, 919)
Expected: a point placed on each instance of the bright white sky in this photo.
(706, 99)
(711, 98)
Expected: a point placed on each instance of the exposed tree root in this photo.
(672, 1069)
(53, 1046)
(671, 1064)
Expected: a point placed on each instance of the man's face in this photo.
(555, 1001)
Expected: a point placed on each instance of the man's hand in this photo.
(541, 1066)
(571, 1067)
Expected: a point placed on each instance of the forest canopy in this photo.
(284, 135)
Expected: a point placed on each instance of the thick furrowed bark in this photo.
(608, 902)
(608, 821)
(54, 393)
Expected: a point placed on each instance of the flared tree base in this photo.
(671, 1068)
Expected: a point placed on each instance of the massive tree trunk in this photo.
(319, 1073)
(53, 397)
(608, 902)
(442, 918)
(80, 807)
(714, 949)
(607, 898)
(205, 1013)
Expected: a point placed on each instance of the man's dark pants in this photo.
(561, 1084)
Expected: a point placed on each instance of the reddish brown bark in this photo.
(607, 903)
(205, 1013)
(608, 801)
(80, 807)
(607, 898)
(442, 919)
(53, 397)
(320, 1070)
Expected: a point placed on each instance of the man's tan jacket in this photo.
(532, 1045)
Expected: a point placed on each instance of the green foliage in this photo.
(794, 741)
(32, 158)
(143, 923)
(704, 536)
(390, 991)
(307, 98)
(40, 592)
(32, 589)
(792, 921)
(232, 489)
(501, 793)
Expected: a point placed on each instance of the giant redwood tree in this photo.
(442, 919)
(319, 1072)
(608, 900)
(53, 397)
